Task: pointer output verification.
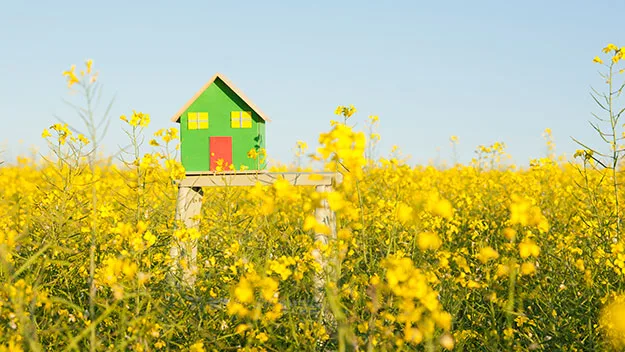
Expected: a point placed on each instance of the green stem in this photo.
(615, 153)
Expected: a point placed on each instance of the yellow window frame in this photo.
(203, 120)
(241, 119)
(197, 120)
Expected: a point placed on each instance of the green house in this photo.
(219, 126)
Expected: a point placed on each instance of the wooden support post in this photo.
(189, 204)
(184, 254)
(326, 216)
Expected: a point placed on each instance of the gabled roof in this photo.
(176, 117)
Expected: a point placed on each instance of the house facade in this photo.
(219, 126)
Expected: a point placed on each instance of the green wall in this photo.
(219, 100)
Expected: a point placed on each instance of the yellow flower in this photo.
(610, 47)
(84, 140)
(597, 59)
(439, 206)
(252, 154)
(528, 248)
(486, 254)
(612, 321)
(528, 268)
(447, 341)
(579, 263)
(523, 212)
(241, 328)
(413, 335)
(244, 291)
(347, 112)
(302, 145)
(45, 133)
(262, 337)
(89, 63)
(71, 76)
(429, 240)
(336, 201)
(509, 234)
(197, 347)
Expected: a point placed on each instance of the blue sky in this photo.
(485, 71)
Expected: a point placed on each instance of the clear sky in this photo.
(485, 71)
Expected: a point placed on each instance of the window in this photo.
(197, 120)
(241, 119)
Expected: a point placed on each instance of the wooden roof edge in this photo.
(176, 117)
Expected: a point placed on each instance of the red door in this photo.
(220, 148)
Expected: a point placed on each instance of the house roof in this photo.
(176, 117)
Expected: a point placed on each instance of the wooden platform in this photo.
(251, 178)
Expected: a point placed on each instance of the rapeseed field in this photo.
(484, 256)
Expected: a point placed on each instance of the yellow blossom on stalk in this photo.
(486, 254)
(197, 347)
(345, 111)
(523, 212)
(509, 234)
(46, 133)
(528, 268)
(268, 289)
(610, 47)
(612, 321)
(71, 76)
(84, 140)
(447, 341)
(618, 55)
(143, 119)
(579, 263)
(115, 269)
(63, 132)
(343, 149)
(528, 248)
(439, 206)
(311, 223)
(586, 154)
(262, 337)
(597, 59)
(413, 335)
(429, 240)
(405, 213)
(302, 145)
(170, 135)
(137, 119)
(241, 328)
(176, 170)
(252, 153)
(187, 234)
(281, 267)
(336, 201)
(502, 270)
(244, 291)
